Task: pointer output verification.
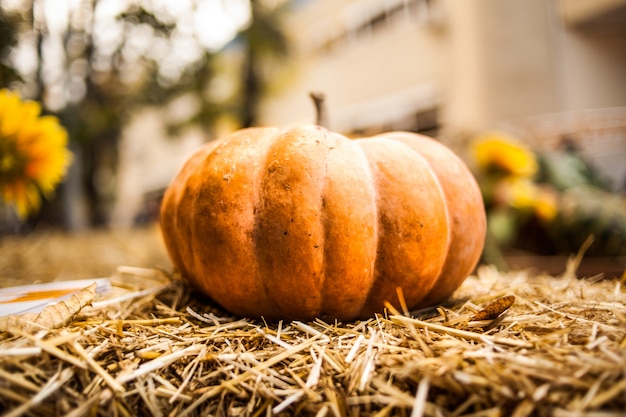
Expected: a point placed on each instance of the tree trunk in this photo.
(75, 213)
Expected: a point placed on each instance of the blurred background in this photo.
(140, 84)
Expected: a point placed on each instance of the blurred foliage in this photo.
(264, 41)
(8, 40)
(547, 202)
(98, 90)
(95, 75)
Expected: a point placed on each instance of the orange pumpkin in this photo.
(301, 223)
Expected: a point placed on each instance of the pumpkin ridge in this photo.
(444, 200)
(170, 222)
(348, 202)
(289, 219)
(223, 218)
(376, 226)
(192, 229)
(253, 295)
(412, 232)
(467, 215)
(325, 227)
(367, 300)
(190, 226)
(371, 293)
(257, 209)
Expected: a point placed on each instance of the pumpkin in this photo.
(301, 222)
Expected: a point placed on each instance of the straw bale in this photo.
(152, 347)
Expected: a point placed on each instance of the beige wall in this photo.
(594, 67)
(479, 61)
(372, 78)
(503, 61)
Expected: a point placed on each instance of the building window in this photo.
(361, 25)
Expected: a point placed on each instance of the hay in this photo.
(152, 348)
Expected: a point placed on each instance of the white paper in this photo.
(35, 297)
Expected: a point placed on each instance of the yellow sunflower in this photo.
(33, 153)
(501, 153)
(523, 194)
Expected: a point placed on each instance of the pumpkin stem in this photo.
(321, 117)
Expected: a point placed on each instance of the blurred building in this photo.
(149, 158)
(547, 70)
(550, 68)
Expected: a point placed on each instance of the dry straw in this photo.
(516, 344)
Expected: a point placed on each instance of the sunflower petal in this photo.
(35, 157)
